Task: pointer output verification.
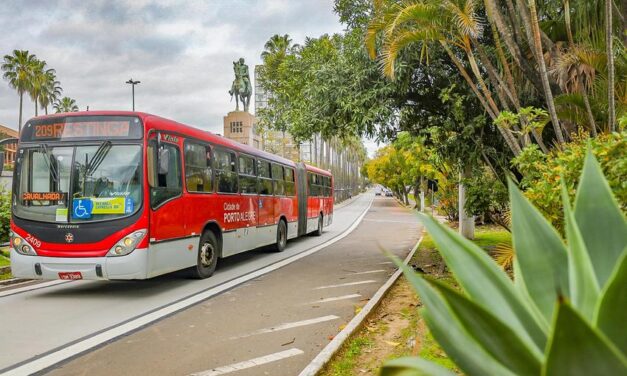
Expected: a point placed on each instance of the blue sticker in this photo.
(129, 205)
(82, 208)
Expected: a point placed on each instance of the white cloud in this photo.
(181, 51)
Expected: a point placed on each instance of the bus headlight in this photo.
(21, 246)
(127, 244)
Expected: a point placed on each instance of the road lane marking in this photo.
(386, 263)
(346, 284)
(389, 221)
(36, 286)
(61, 353)
(251, 363)
(326, 300)
(288, 325)
(332, 347)
(369, 272)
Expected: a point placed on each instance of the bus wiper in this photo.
(52, 167)
(98, 157)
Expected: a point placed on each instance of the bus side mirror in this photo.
(1, 162)
(164, 159)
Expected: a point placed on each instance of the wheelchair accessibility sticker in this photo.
(84, 208)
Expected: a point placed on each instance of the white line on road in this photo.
(369, 272)
(250, 363)
(32, 287)
(387, 221)
(386, 263)
(345, 284)
(288, 325)
(56, 356)
(343, 297)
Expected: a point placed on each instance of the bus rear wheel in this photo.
(281, 237)
(207, 256)
(318, 231)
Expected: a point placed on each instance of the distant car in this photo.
(377, 191)
(388, 193)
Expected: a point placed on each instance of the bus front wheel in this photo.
(207, 256)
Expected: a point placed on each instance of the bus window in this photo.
(247, 175)
(289, 182)
(168, 185)
(226, 173)
(278, 180)
(265, 182)
(198, 172)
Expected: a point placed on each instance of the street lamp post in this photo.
(133, 83)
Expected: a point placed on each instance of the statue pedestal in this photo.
(240, 126)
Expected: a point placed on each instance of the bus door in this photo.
(301, 194)
(265, 220)
(249, 200)
(167, 219)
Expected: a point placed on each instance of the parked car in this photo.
(377, 191)
(388, 193)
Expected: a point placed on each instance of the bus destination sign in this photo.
(86, 129)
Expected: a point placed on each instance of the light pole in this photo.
(133, 83)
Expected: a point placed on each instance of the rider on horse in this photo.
(241, 85)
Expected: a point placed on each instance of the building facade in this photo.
(9, 149)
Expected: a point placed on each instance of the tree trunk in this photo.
(509, 139)
(611, 111)
(537, 43)
(19, 124)
(36, 114)
(422, 194)
(46, 110)
(466, 221)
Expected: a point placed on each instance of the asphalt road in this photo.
(248, 319)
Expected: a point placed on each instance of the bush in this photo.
(486, 197)
(542, 172)
(5, 216)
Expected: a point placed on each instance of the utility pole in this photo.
(133, 83)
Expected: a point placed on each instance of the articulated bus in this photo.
(128, 195)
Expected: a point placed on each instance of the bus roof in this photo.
(153, 121)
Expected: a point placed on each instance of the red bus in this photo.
(128, 195)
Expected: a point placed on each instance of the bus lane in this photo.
(275, 324)
(45, 325)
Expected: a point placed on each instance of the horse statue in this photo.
(241, 87)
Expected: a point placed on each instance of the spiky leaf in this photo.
(584, 289)
(449, 332)
(577, 349)
(493, 335)
(411, 366)
(612, 310)
(484, 282)
(541, 254)
(602, 225)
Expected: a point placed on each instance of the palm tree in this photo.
(51, 91)
(39, 78)
(65, 104)
(17, 70)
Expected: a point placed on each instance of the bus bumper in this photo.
(131, 266)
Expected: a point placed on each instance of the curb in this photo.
(321, 360)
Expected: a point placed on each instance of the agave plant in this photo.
(564, 313)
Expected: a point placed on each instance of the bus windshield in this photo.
(103, 182)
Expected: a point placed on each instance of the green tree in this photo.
(65, 104)
(18, 69)
(50, 91)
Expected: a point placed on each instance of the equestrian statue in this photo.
(241, 87)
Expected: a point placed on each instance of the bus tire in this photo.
(318, 231)
(207, 259)
(281, 236)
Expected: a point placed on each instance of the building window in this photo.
(236, 127)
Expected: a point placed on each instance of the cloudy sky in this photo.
(181, 51)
